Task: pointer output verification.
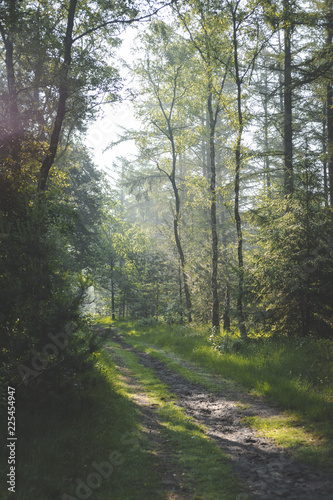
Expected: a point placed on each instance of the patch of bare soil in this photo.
(269, 471)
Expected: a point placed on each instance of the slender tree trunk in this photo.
(112, 300)
(329, 96)
(288, 139)
(180, 250)
(329, 101)
(226, 313)
(112, 293)
(212, 125)
(324, 143)
(204, 151)
(330, 139)
(172, 179)
(180, 292)
(157, 299)
(63, 96)
(305, 302)
(267, 166)
(241, 321)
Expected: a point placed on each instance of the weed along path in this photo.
(203, 448)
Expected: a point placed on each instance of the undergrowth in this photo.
(84, 442)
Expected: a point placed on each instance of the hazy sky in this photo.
(106, 130)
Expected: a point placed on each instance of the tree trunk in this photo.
(330, 139)
(172, 179)
(287, 109)
(180, 293)
(329, 101)
(241, 322)
(112, 294)
(267, 166)
(240, 315)
(226, 314)
(63, 96)
(157, 300)
(324, 143)
(212, 125)
(180, 250)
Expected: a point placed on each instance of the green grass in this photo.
(176, 363)
(297, 374)
(203, 466)
(287, 431)
(104, 320)
(60, 439)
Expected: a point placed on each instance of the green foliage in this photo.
(38, 52)
(46, 259)
(291, 267)
(135, 276)
(48, 247)
(62, 436)
(54, 247)
(39, 295)
(147, 321)
(286, 247)
(226, 342)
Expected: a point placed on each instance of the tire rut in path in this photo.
(269, 472)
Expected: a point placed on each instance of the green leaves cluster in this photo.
(291, 268)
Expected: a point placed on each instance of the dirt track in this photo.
(268, 471)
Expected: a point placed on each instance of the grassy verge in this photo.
(297, 374)
(204, 468)
(85, 443)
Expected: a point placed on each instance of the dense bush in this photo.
(291, 267)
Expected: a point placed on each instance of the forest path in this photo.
(268, 471)
(172, 486)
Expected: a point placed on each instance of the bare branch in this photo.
(146, 17)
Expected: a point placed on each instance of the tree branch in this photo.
(146, 17)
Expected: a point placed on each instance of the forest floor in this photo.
(264, 470)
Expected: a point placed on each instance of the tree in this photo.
(161, 107)
(44, 276)
(247, 44)
(63, 99)
(329, 98)
(292, 265)
(202, 25)
(287, 101)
